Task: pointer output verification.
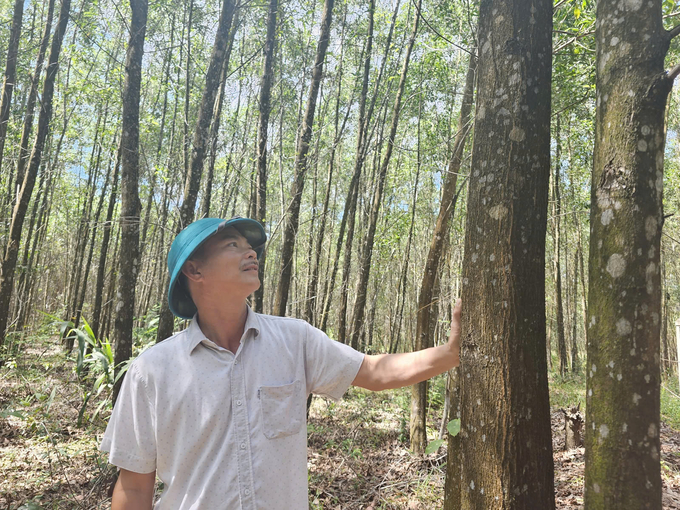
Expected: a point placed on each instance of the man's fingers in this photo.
(455, 323)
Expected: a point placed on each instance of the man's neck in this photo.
(224, 323)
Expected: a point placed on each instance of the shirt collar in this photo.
(196, 336)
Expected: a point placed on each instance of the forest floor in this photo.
(358, 448)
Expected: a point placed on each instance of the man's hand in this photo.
(387, 371)
(454, 336)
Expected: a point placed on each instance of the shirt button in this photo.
(247, 492)
(238, 402)
(243, 446)
(235, 362)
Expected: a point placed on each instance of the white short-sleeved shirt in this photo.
(222, 430)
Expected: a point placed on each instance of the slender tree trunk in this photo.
(262, 131)
(12, 249)
(557, 213)
(364, 269)
(10, 77)
(506, 444)
(104, 251)
(292, 215)
(624, 293)
(129, 179)
(575, 363)
(426, 297)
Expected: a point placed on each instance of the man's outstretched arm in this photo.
(133, 491)
(387, 371)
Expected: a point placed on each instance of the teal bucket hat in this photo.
(186, 243)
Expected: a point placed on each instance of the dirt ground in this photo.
(358, 455)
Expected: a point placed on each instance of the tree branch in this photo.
(673, 32)
(673, 73)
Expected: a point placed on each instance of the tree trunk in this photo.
(424, 337)
(364, 269)
(12, 249)
(575, 363)
(104, 251)
(262, 131)
(129, 180)
(293, 212)
(624, 294)
(10, 78)
(506, 448)
(557, 213)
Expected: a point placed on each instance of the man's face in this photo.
(227, 266)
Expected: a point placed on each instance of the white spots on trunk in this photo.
(624, 428)
(655, 318)
(607, 217)
(481, 112)
(650, 227)
(486, 46)
(652, 252)
(623, 327)
(514, 79)
(614, 41)
(647, 379)
(593, 321)
(599, 243)
(593, 368)
(642, 145)
(650, 273)
(492, 257)
(472, 485)
(604, 432)
(616, 265)
(596, 488)
(498, 211)
(479, 402)
(633, 5)
(632, 351)
(590, 392)
(517, 134)
(474, 257)
(619, 377)
(645, 130)
(655, 453)
(483, 438)
(636, 398)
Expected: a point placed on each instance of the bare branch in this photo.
(673, 73)
(673, 32)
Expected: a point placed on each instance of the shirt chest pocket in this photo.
(282, 408)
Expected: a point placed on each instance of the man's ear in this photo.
(192, 271)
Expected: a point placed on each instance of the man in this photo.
(217, 411)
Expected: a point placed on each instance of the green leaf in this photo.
(453, 427)
(433, 446)
(577, 12)
(30, 506)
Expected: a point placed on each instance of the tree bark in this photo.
(129, 179)
(424, 337)
(293, 212)
(506, 446)
(624, 294)
(12, 249)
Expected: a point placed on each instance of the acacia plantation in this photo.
(523, 155)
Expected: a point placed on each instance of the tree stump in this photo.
(573, 424)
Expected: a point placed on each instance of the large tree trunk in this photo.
(12, 249)
(624, 292)
(506, 448)
(293, 212)
(201, 139)
(364, 268)
(262, 130)
(129, 179)
(557, 213)
(425, 337)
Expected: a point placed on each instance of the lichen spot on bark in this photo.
(642, 145)
(498, 211)
(604, 432)
(517, 134)
(596, 487)
(623, 327)
(636, 398)
(616, 265)
(607, 217)
(650, 227)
